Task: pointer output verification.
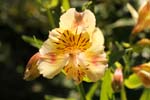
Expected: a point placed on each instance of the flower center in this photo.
(72, 43)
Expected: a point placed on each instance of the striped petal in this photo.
(51, 64)
(80, 21)
(48, 45)
(97, 40)
(95, 65)
(143, 71)
(143, 18)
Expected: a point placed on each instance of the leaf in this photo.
(133, 82)
(132, 11)
(33, 41)
(86, 79)
(122, 23)
(145, 94)
(106, 89)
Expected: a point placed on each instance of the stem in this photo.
(50, 18)
(81, 91)
(92, 91)
(65, 4)
(123, 93)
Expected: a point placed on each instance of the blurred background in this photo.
(26, 21)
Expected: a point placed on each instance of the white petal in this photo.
(66, 20)
(95, 65)
(96, 72)
(48, 45)
(55, 34)
(80, 21)
(97, 40)
(49, 70)
(89, 21)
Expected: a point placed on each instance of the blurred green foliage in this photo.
(28, 21)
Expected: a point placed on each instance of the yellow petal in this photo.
(78, 21)
(144, 42)
(52, 64)
(97, 40)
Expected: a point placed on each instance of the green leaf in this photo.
(133, 82)
(106, 89)
(122, 23)
(145, 94)
(86, 79)
(33, 41)
(123, 93)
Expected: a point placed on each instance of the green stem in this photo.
(92, 91)
(50, 19)
(123, 93)
(146, 94)
(65, 4)
(81, 91)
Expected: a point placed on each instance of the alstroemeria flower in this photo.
(143, 21)
(143, 71)
(76, 48)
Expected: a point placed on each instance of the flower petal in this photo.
(97, 40)
(95, 65)
(48, 45)
(96, 73)
(143, 71)
(96, 68)
(52, 64)
(80, 21)
(143, 18)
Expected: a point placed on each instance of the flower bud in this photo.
(117, 80)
